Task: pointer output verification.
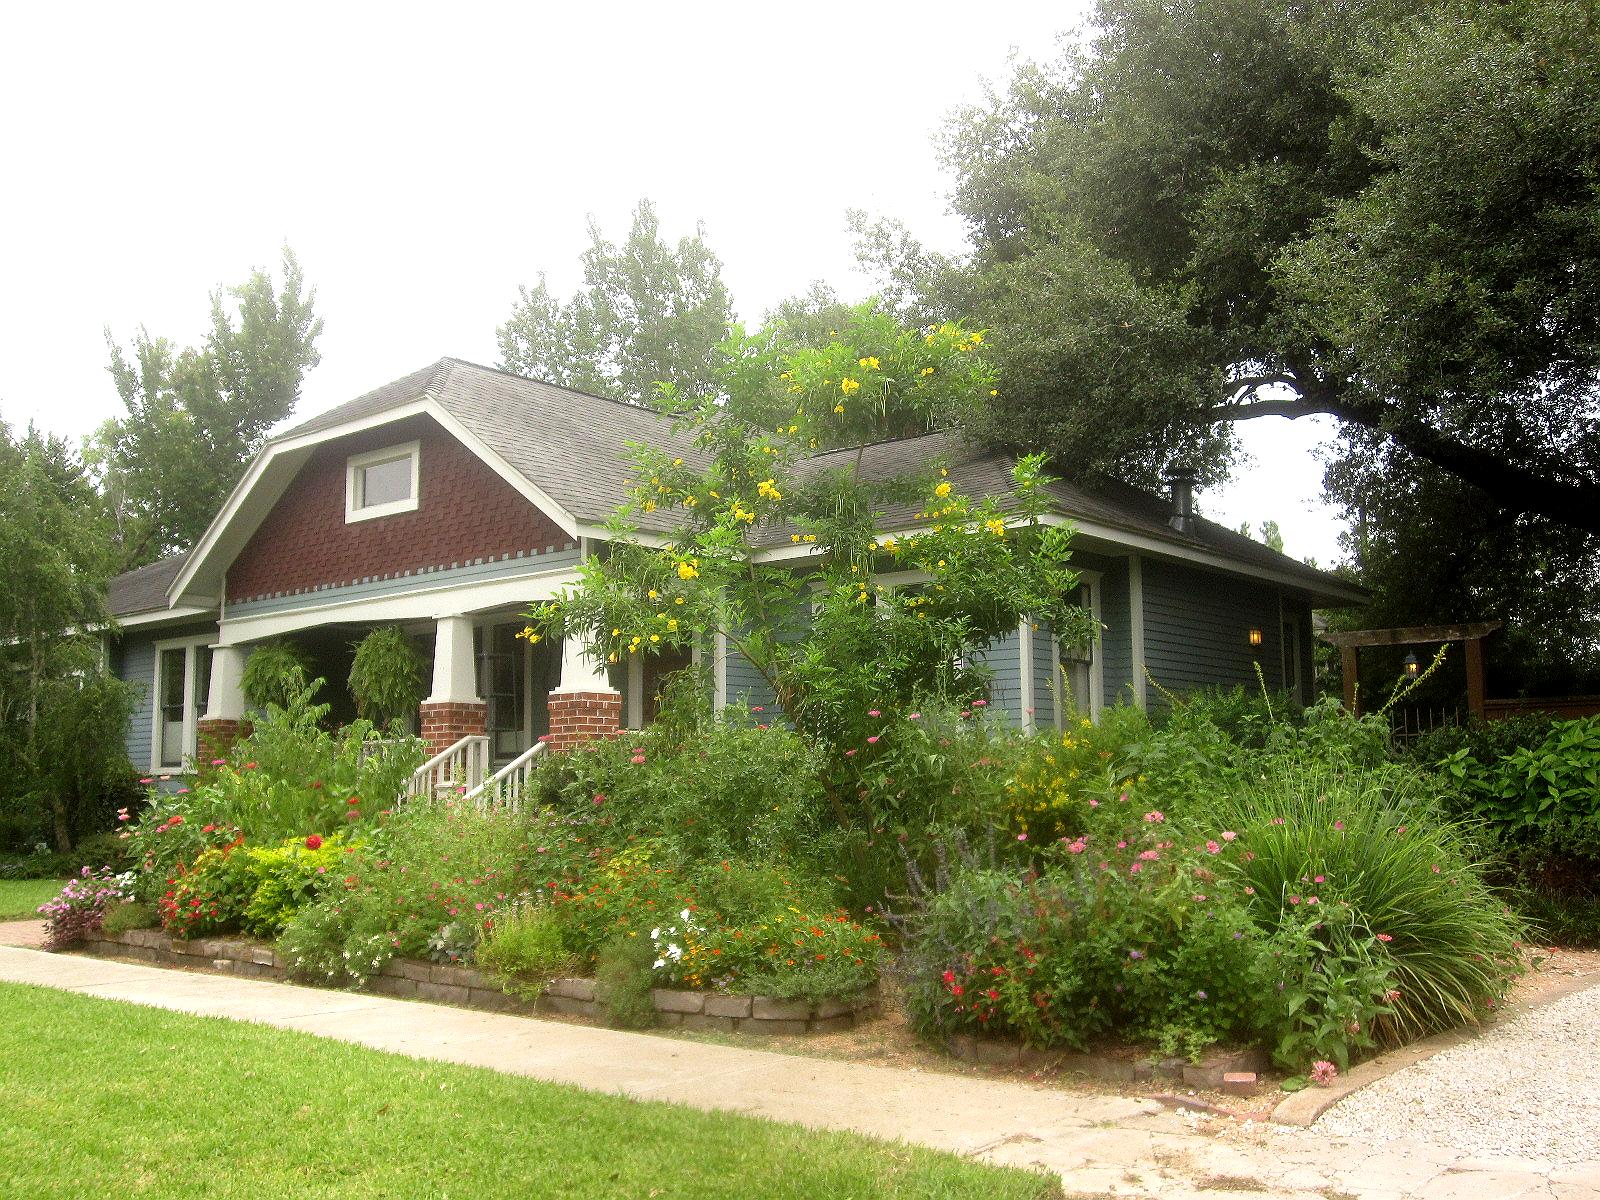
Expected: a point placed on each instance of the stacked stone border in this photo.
(1213, 1071)
(413, 979)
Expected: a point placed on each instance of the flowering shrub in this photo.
(81, 906)
(287, 878)
(1060, 779)
(166, 837)
(210, 896)
(1126, 931)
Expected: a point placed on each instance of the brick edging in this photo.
(443, 983)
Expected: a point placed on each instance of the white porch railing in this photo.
(454, 770)
(505, 788)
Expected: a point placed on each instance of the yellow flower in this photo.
(649, 506)
(612, 657)
(533, 637)
(655, 637)
(849, 386)
(679, 600)
(942, 490)
(811, 537)
(687, 571)
(927, 370)
(677, 462)
(654, 594)
(992, 392)
(766, 489)
(995, 526)
(672, 625)
(838, 408)
(794, 537)
(870, 363)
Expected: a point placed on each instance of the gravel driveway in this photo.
(1529, 1088)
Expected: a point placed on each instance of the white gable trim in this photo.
(280, 459)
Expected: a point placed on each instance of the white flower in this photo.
(684, 914)
(655, 933)
(659, 963)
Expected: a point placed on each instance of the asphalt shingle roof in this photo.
(144, 589)
(573, 447)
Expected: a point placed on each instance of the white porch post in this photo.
(225, 701)
(581, 669)
(455, 678)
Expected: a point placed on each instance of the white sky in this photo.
(425, 160)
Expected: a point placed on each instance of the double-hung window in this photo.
(380, 483)
(181, 686)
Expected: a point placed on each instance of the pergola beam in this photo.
(1413, 635)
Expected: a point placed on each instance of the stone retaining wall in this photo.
(411, 978)
(1209, 1072)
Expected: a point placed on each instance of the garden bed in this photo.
(445, 983)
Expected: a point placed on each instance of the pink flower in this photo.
(849, 753)
(1319, 879)
(1277, 820)
(1199, 898)
(1213, 848)
(1135, 868)
(1294, 899)
(1149, 855)
(1076, 847)
(1154, 818)
(1435, 868)
(637, 759)
(872, 712)
(914, 717)
(1094, 804)
(757, 708)
(1249, 891)
(873, 740)
(1228, 835)
(147, 779)
(1338, 824)
(1385, 937)
(980, 704)
(1323, 1073)
(1022, 837)
(217, 762)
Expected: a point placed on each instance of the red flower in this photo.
(353, 800)
(314, 842)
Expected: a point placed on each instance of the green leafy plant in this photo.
(386, 676)
(523, 949)
(289, 876)
(129, 914)
(276, 673)
(624, 978)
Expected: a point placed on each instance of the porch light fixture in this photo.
(1255, 637)
(1412, 666)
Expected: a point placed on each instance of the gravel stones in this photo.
(1528, 1088)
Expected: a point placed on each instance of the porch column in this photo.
(585, 705)
(453, 710)
(222, 723)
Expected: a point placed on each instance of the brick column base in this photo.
(576, 717)
(215, 739)
(444, 724)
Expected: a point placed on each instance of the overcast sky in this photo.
(425, 160)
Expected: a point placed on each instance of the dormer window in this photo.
(380, 483)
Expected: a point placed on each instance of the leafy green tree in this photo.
(648, 312)
(781, 552)
(1218, 211)
(197, 415)
(61, 715)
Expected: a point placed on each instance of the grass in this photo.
(106, 1098)
(20, 898)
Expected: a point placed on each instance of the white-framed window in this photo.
(380, 483)
(180, 689)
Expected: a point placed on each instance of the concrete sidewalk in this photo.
(1101, 1145)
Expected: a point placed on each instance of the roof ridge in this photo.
(565, 387)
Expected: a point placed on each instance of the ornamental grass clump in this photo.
(1361, 863)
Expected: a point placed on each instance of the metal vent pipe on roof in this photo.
(1181, 481)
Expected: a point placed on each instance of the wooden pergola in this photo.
(1472, 634)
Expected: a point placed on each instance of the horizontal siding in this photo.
(1116, 638)
(133, 660)
(1001, 660)
(1196, 630)
(1047, 681)
(746, 687)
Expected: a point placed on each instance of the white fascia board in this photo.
(301, 446)
(599, 533)
(1217, 562)
(163, 616)
(421, 604)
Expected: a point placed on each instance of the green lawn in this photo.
(19, 898)
(102, 1098)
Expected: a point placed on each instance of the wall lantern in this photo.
(1255, 637)
(1411, 666)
